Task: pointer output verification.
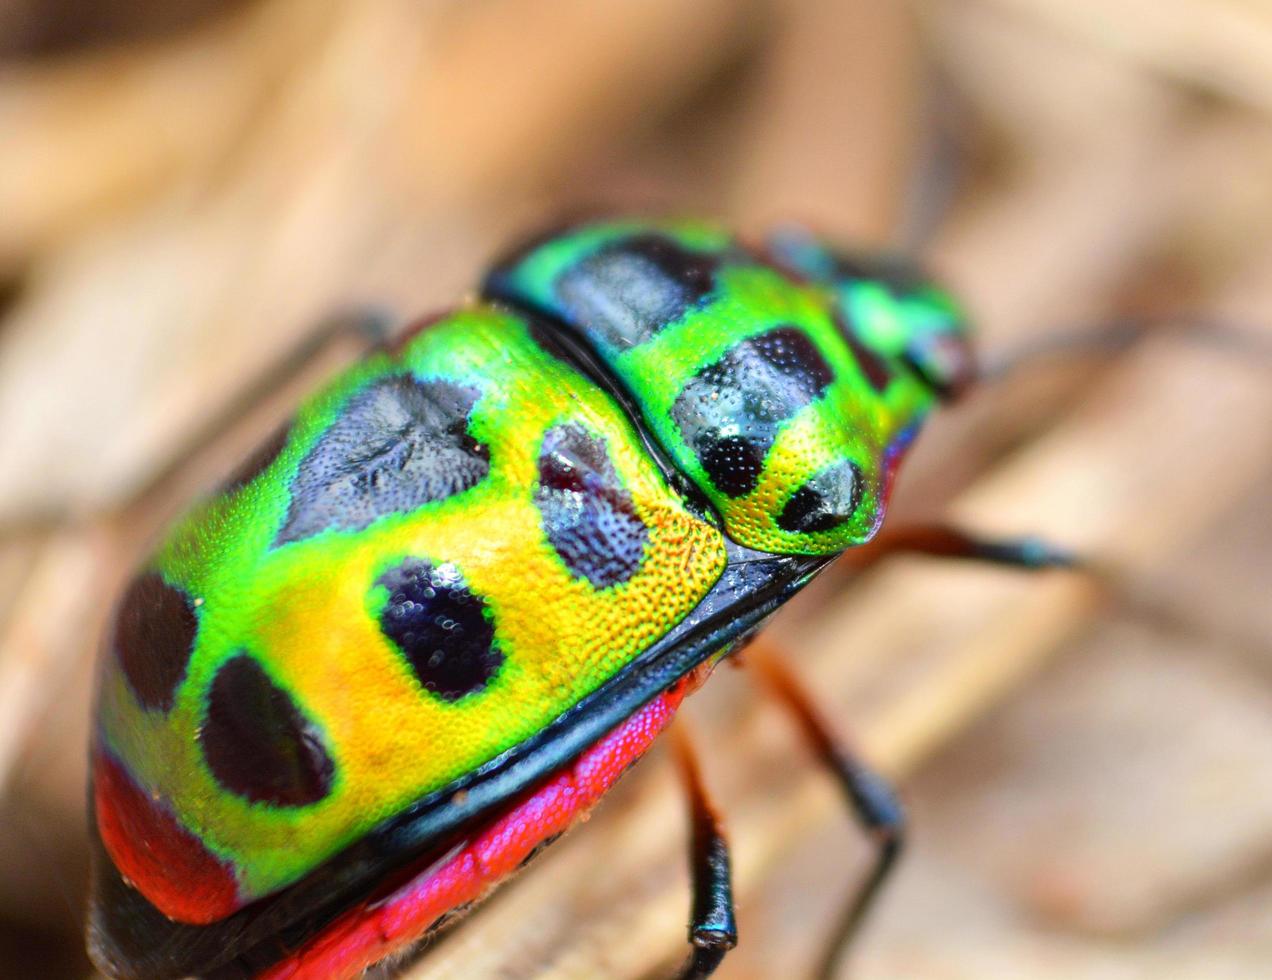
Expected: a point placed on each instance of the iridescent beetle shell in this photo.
(467, 563)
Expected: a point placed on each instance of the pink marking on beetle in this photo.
(378, 927)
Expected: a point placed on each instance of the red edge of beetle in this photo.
(377, 928)
(159, 857)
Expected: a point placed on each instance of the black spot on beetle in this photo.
(729, 412)
(629, 290)
(256, 741)
(441, 627)
(399, 444)
(733, 463)
(587, 514)
(825, 502)
(155, 630)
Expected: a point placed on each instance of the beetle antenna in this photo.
(1116, 336)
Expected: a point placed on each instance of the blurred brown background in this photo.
(187, 188)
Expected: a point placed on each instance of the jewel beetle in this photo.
(430, 622)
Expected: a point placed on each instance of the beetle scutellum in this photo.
(435, 618)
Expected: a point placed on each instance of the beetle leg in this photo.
(873, 800)
(713, 930)
(367, 327)
(1117, 336)
(1028, 554)
(945, 541)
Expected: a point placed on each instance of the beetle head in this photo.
(888, 304)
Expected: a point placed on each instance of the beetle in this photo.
(435, 617)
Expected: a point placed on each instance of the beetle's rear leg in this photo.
(713, 930)
(873, 801)
(366, 326)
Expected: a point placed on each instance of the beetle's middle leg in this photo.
(872, 798)
(713, 928)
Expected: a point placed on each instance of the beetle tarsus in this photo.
(706, 958)
(888, 838)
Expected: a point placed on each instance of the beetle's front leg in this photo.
(713, 930)
(946, 541)
(873, 801)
